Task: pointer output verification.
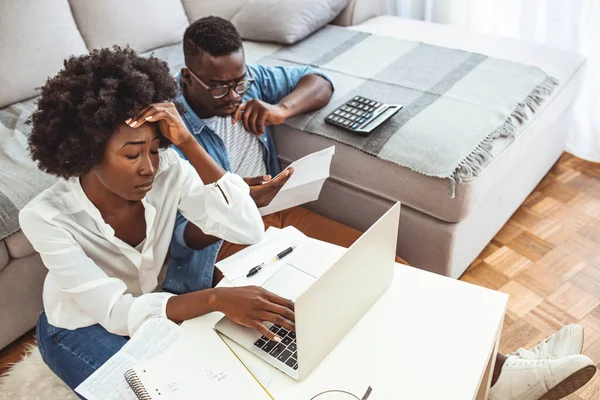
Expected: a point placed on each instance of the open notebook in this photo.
(161, 362)
(185, 372)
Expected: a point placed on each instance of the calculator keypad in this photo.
(354, 113)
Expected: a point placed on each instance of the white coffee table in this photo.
(427, 337)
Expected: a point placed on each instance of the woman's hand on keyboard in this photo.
(252, 305)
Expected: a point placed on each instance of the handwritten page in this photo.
(150, 340)
(236, 267)
(305, 184)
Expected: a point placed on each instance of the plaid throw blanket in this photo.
(455, 102)
(20, 179)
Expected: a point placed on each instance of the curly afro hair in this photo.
(84, 103)
(213, 35)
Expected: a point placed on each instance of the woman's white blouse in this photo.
(94, 277)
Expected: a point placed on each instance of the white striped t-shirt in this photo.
(246, 153)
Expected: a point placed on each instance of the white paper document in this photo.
(236, 267)
(305, 184)
(150, 340)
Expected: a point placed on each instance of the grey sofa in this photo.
(437, 233)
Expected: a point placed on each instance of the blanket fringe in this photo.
(475, 162)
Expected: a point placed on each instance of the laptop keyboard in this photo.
(284, 351)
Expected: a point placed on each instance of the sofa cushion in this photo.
(140, 24)
(293, 21)
(18, 245)
(3, 255)
(196, 9)
(35, 38)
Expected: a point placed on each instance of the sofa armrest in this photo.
(359, 11)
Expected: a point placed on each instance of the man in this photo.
(229, 108)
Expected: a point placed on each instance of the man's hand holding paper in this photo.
(263, 189)
(304, 185)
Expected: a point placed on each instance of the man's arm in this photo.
(312, 93)
(282, 93)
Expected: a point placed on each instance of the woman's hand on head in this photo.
(251, 306)
(169, 122)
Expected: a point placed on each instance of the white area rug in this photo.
(31, 379)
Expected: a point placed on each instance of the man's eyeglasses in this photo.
(220, 91)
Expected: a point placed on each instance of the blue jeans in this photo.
(189, 270)
(73, 355)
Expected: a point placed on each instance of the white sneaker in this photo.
(523, 379)
(567, 341)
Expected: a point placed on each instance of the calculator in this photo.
(362, 115)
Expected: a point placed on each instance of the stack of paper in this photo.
(236, 267)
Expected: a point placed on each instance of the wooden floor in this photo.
(547, 258)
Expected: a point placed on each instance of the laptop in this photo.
(326, 307)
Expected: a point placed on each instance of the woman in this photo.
(103, 231)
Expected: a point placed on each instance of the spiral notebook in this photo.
(160, 362)
(186, 372)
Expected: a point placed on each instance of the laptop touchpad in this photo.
(289, 282)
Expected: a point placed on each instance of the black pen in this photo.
(283, 253)
(254, 271)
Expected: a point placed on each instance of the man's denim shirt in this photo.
(191, 270)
